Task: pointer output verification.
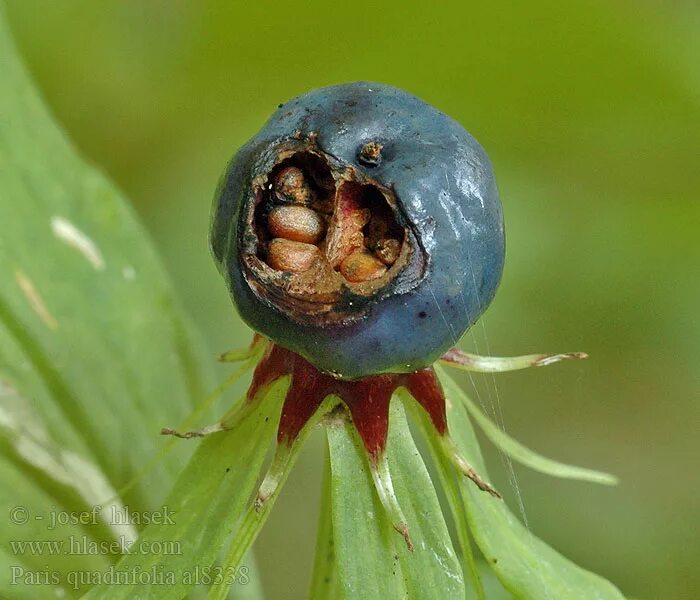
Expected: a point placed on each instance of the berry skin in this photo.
(398, 212)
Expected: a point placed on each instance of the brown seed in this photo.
(293, 257)
(296, 223)
(387, 250)
(291, 186)
(361, 266)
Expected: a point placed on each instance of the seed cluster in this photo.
(295, 227)
(358, 238)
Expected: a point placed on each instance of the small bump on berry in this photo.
(370, 154)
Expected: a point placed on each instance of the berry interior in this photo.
(327, 227)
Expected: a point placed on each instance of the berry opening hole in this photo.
(306, 222)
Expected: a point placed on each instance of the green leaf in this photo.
(324, 582)
(469, 565)
(527, 457)
(95, 352)
(89, 327)
(493, 588)
(40, 481)
(208, 499)
(372, 558)
(526, 566)
(282, 462)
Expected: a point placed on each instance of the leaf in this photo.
(40, 482)
(372, 558)
(469, 565)
(324, 581)
(95, 352)
(526, 566)
(208, 499)
(86, 309)
(282, 462)
(493, 588)
(527, 457)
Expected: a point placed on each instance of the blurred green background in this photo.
(590, 112)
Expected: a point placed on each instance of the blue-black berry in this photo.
(360, 228)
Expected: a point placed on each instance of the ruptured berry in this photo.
(360, 228)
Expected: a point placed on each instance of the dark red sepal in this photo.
(367, 398)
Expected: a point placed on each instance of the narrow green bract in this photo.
(525, 565)
(372, 558)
